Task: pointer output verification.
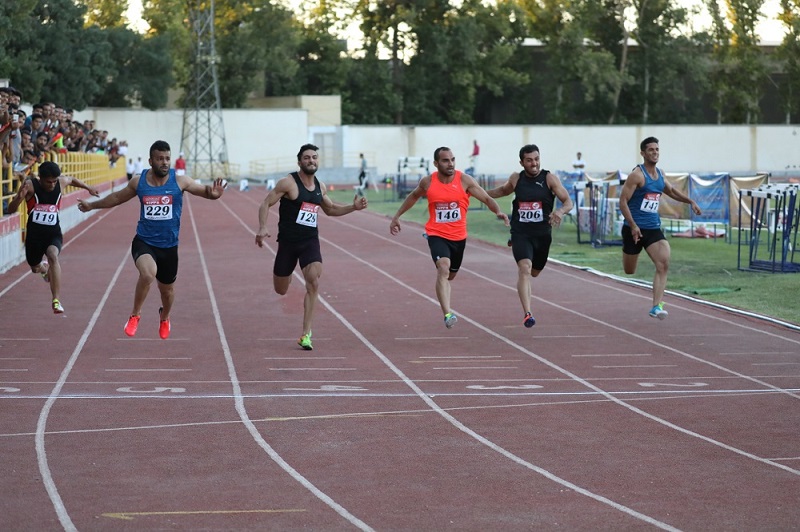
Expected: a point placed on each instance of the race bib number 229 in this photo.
(157, 207)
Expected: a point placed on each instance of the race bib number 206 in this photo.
(530, 211)
(157, 207)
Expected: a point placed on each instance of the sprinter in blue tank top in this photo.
(155, 246)
(638, 202)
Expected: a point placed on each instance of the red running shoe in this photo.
(163, 326)
(132, 325)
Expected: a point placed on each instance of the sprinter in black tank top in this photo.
(532, 217)
(43, 238)
(301, 197)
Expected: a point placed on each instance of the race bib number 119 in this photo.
(44, 214)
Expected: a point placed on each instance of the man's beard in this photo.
(160, 173)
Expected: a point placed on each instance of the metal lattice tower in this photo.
(203, 136)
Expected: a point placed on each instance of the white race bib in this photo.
(308, 214)
(157, 207)
(446, 213)
(530, 211)
(44, 214)
(650, 202)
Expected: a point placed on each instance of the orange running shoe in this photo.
(163, 326)
(132, 325)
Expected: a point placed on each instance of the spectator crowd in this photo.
(27, 140)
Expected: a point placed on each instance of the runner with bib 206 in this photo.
(532, 217)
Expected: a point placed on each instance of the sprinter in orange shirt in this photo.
(448, 191)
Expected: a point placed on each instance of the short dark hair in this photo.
(159, 145)
(305, 147)
(528, 148)
(645, 142)
(437, 151)
(49, 169)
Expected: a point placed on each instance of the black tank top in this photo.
(532, 205)
(42, 218)
(298, 218)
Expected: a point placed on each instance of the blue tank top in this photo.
(160, 211)
(645, 200)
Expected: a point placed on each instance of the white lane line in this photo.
(775, 364)
(460, 357)
(571, 336)
(13, 370)
(293, 339)
(304, 358)
(234, 380)
(426, 338)
(171, 339)
(670, 393)
(614, 355)
(692, 335)
(640, 366)
(146, 369)
(415, 413)
(758, 353)
(150, 358)
(41, 453)
(570, 374)
(312, 369)
(17, 358)
(24, 339)
(477, 367)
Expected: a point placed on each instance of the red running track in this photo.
(597, 418)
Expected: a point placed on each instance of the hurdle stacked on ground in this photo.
(773, 207)
(599, 215)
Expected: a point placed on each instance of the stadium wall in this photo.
(258, 138)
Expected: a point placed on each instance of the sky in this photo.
(769, 29)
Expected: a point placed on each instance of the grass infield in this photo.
(704, 269)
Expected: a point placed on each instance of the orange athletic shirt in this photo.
(447, 208)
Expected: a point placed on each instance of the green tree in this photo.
(789, 55)
(666, 67)
(20, 49)
(740, 65)
(141, 73)
(580, 39)
(105, 13)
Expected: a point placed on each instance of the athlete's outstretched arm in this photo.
(112, 200)
(475, 190)
(419, 191)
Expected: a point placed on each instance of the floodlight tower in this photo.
(203, 135)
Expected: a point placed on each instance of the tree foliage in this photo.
(789, 55)
(418, 61)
